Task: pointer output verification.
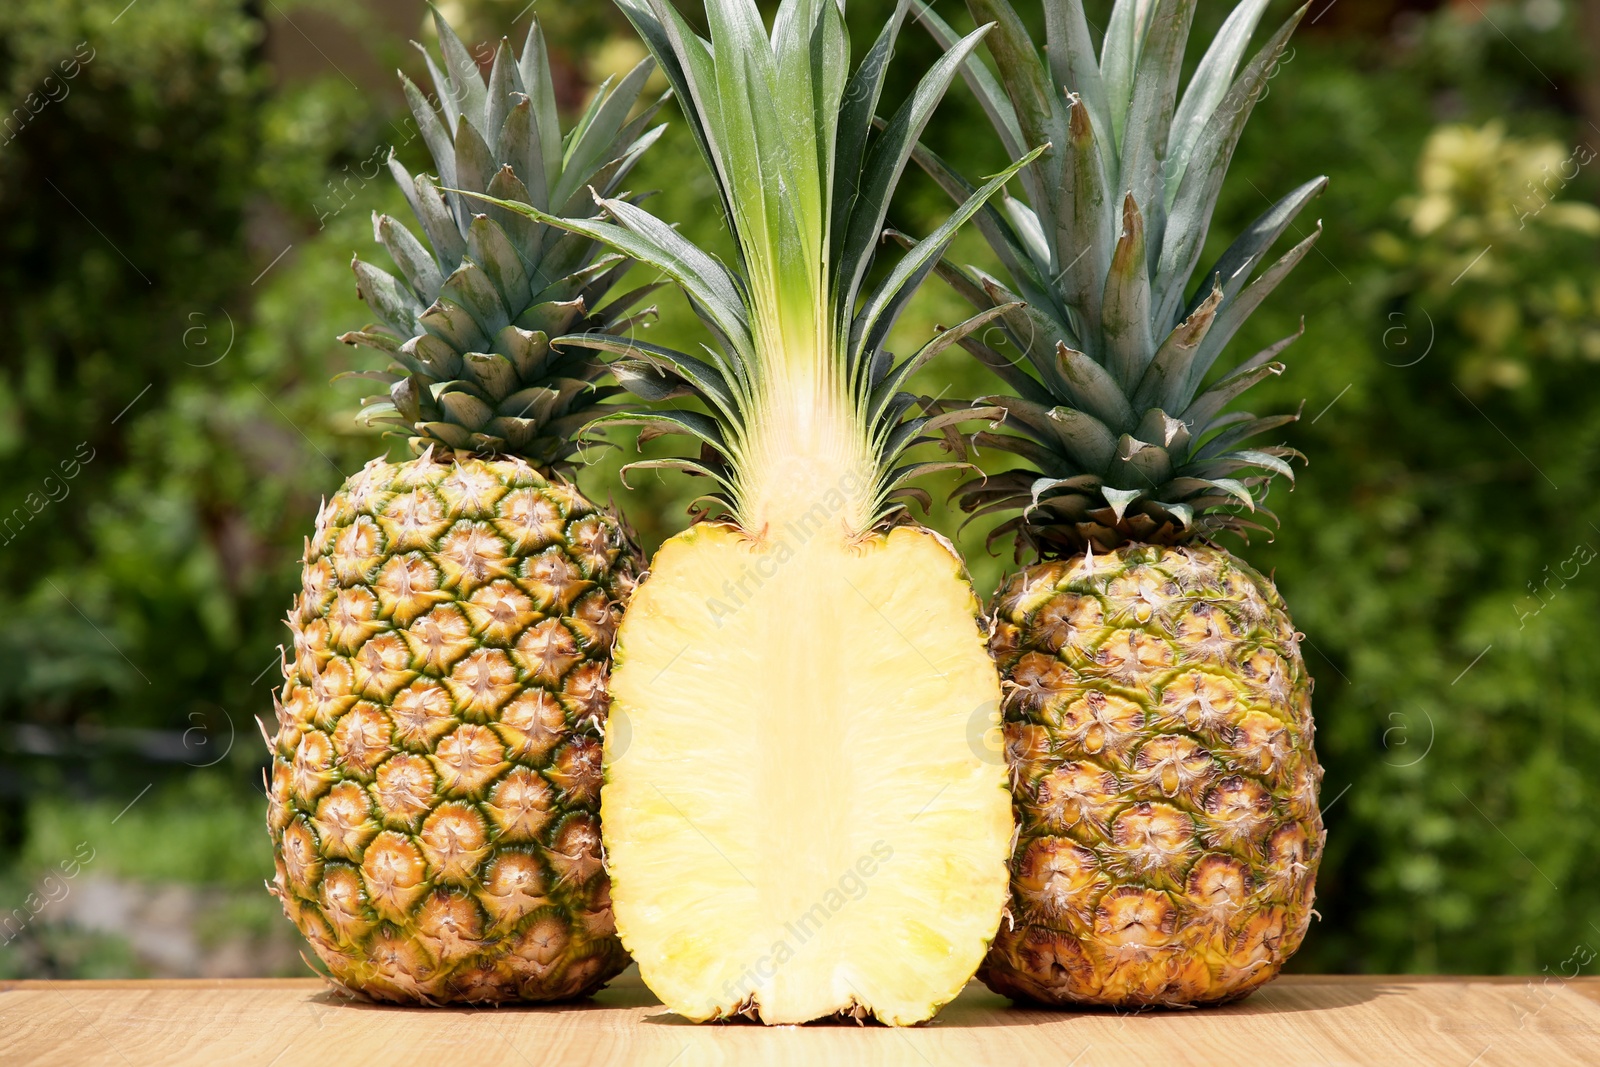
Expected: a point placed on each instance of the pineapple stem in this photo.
(810, 459)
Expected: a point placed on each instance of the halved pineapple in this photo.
(799, 685)
(795, 811)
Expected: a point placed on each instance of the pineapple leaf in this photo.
(703, 428)
(525, 235)
(1245, 430)
(464, 86)
(1208, 86)
(1129, 346)
(887, 162)
(489, 248)
(686, 62)
(1149, 121)
(440, 144)
(1236, 311)
(519, 146)
(1141, 462)
(1026, 226)
(1084, 437)
(884, 305)
(384, 342)
(1070, 52)
(388, 299)
(464, 410)
(409, 255)
(1093, 387)
(701, 377)
(593, 142)
(504, 83)
(474, 167)
(1212, 400)
(1085, 217)
(1166, 379)
(1119, 59)
(491, 372)
(1233, 267)
(437, 358)
(1196, 198)
(1034, 101)
(892, 382)
(439, 223)
(452, 324)
(471, 288)
(1019, 380)
(855, 127)
(991, 97)
(540, 87)
(994, 226)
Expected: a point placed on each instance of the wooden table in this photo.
(1457, 1022)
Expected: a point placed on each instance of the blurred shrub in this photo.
(1435, 551)
(165, 421)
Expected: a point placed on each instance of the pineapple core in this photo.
(802, 814)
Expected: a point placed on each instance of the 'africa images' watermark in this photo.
(52, 90)
(1580, 557)
(53, 889)
(54, 490)
(1543, 993)
(851, 886)
(1540, 196)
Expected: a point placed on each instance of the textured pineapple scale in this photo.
(1158, 723)
(435, 777)
(800, 816)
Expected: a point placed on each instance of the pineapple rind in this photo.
(434, 793)
(1158, 727)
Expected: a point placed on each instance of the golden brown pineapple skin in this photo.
(434, 795)
(1158, 729)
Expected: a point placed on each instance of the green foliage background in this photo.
(176, 222)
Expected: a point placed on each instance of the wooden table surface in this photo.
(1312, 1019)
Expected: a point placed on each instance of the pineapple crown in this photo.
(1122, 439)
(468, 324)
(801, 399)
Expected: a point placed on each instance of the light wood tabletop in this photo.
(1308, 1019)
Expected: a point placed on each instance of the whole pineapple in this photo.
(1157, 718)
(434, 792)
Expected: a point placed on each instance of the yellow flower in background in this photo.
(1480, 245)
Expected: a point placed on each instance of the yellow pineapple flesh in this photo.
(796, 814)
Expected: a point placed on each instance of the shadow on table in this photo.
(978, 1007)
(625, 992)
(975, 1007)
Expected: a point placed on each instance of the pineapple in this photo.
(434, 789)
(798, 825)
(1157, 715)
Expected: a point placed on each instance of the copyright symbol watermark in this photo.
(1397, 339)
(986, 736)
(198, 337)
(197, 740)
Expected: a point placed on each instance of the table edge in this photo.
(1584, 985)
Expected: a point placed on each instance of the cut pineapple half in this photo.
(840, 692)
(805, 822)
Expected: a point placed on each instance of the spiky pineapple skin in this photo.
(435, 784)
(1158, 729)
